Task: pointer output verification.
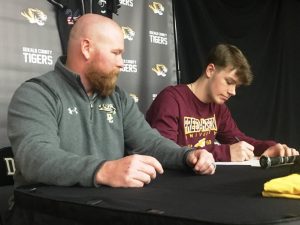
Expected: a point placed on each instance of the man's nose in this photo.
(232, 90)
(120, 63)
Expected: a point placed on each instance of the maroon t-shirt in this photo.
(180, 116)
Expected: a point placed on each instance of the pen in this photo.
(236, 138)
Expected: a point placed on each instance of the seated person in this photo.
(74, 126)
(195, 114)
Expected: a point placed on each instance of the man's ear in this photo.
(86, 48)
(210, 69)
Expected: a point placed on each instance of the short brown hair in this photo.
(223, 55)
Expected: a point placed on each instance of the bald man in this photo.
(74, 126)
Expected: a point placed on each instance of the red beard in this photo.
(104, 84)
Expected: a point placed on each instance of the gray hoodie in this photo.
(60, 135)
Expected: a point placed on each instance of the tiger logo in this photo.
(128, 33)
(157, 8)
(160, 70)
(35, 16)
(102, 4)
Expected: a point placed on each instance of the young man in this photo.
(195, 114)
(74, 126)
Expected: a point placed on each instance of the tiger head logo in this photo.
(102, 4)
(35, 16)
(160, 70)
(157, 8)
(128, 33)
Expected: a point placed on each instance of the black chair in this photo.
(7, 170)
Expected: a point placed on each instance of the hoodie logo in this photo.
(72, 110)
(110, 111)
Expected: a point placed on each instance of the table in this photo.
(231, 196)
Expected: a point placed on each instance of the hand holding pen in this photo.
(241, 151)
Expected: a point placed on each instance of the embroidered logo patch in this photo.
(72, 110)
(110, 111)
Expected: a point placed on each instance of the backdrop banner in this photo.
(149, 58)
(31, 45)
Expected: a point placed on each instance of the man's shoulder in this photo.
(52, 75)
(174, 91)
(177, 87)
(44, 83)
(48, 79)
(48, 76)
(220, 109)
(29, 83)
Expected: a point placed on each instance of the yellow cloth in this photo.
(284, 187)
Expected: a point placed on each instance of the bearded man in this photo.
(74, 126)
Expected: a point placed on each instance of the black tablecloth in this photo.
(231, 196)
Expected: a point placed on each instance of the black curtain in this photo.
(268, 32)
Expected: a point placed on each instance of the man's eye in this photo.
(117, 52)
(230, 82)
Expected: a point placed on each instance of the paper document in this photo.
(252, 162)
